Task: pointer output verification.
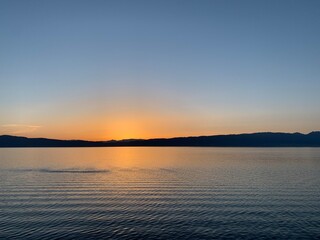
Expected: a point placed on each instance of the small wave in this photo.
(74, 170)
(135, 169)
(167, 169)
(65, 170)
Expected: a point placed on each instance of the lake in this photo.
(160, 193)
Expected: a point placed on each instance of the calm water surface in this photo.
(160, 193)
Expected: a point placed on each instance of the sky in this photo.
(101, 70)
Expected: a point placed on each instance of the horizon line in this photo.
(189, 136)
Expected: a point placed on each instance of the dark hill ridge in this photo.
(266, 139)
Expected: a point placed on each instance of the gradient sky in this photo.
(140, 69)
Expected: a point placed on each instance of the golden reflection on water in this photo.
(105, 158)
(146, 157)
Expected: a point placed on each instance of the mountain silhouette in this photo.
(263, 139)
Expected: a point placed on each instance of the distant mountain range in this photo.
(265, 139)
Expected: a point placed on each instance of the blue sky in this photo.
(120, 69)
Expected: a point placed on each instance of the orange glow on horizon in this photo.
(126, 129)
(138, 125)
(122, 127)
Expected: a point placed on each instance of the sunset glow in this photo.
(151, 69)
(159, 119)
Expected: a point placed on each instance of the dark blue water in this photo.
(160, 193)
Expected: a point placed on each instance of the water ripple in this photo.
(155, 204)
